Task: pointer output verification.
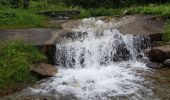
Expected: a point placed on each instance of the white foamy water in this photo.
(102, 64)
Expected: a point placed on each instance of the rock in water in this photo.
(155, 65)
(44, 70)
(159, 54)
(167, 63)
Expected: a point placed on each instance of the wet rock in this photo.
(155, 37)
(159, 54)
(158, 43)
(49, 51)
(43, 70)
(167, 63)
(155, 65)
(130, 24)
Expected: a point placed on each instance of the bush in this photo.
(15, 59)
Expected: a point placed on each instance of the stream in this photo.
(100, 63)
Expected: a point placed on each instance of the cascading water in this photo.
(99, 63)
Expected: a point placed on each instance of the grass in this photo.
(161, 10)
(15, 59)
(17, 18)
(12, 18)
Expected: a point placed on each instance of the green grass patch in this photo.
(11, 18)
(19, 18)
(161, 10)
(15, 59)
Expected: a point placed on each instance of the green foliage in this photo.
(7, 14)
(93, 12)
(166, 35)
(111, 3)
(15, 59)
(162, 10)
(19, 18)
(15, 3)
(45, 6)
(28, 18)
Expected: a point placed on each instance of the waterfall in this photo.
(99, 63)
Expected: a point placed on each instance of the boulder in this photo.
(167, 63)
(155, 65)
(159, 54)
(43, 70)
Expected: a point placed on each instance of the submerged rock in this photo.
(43, 70)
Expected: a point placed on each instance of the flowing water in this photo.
(99, 63)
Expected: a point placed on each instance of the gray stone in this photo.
(155, 65)
(167, 63)
(159, 54)
(44, 70)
